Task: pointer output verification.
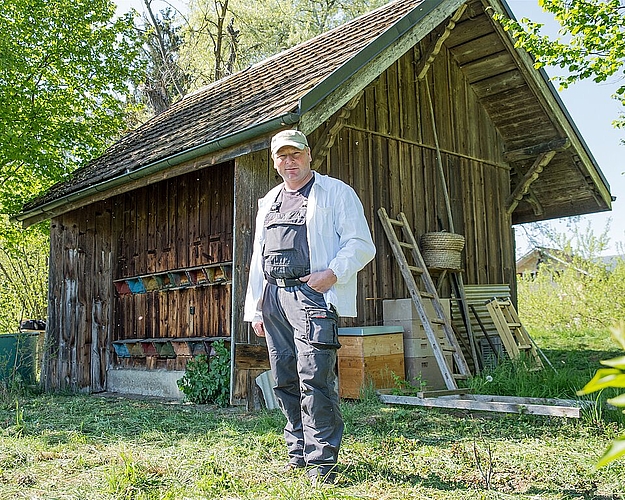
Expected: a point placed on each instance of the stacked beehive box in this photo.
(369, 355)
(420, 363)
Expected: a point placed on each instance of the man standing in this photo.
(311, 240)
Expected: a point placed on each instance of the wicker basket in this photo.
(442, 250)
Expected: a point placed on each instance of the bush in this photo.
(583, 296)
(207, 378)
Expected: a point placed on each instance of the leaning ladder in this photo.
(411, 274)
(513, 334)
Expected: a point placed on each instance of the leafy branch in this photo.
(614, 376)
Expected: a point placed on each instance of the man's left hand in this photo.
(320, 281)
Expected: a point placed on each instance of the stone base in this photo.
(161, 383)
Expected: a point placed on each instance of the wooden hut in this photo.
(152, 240)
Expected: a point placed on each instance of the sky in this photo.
(592, 109)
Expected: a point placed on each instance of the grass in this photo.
(105, 447)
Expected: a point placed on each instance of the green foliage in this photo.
(577, 295)
(66, 74)
(512, 378)
(23, 274)
(207, 378)
(591, 41)
(66, 69)
(614, 376)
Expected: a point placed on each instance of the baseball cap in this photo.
(288, 138)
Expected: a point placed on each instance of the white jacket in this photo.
(339, 238)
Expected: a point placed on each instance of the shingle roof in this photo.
(261, 93)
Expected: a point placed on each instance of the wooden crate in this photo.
(420, 362)
(369, 355)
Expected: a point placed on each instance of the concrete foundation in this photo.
(161, 383)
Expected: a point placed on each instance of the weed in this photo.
(484, 462)
(134, 480)
(402, 386)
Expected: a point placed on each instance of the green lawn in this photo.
(109, 447)
(96, 447)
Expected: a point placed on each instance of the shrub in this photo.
(207, 378)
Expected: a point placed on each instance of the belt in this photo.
(283, 282)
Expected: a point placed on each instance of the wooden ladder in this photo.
(513, 334)
(418, 271)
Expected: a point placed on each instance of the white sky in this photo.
(589, 104)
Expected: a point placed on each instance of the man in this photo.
(311, 240)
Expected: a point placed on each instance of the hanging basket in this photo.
(442, 250)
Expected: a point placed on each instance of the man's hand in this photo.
(258, 328)
(320, 281)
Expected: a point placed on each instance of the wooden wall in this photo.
(386, 151)
(178, 223)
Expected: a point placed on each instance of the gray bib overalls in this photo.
(302, 338)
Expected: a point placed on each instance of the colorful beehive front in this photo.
(369, 355)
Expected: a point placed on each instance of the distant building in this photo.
(558, 260)
(530, 263)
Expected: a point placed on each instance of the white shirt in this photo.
(338, 238)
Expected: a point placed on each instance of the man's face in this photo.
(293, 165)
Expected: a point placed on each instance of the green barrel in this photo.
(18, 355)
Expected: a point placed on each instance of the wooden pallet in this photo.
(513, 334)
(414, 272)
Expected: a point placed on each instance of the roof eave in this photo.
(55, 207)
(561, 114)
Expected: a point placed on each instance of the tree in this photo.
(67, 71)
(228, 35)
(23, 274)
(591, 42)
(165, 80)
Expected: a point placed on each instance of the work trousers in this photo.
(302, 338)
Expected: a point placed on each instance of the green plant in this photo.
(134, 480)
(513, 378)
(405, 386)
(611, 377)
(207, 378)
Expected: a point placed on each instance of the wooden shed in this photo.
(152, 240)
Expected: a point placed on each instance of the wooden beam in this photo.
(531, 175)
(530, 197)
(536, 205)
(501, 404)
(328, 136)
(556, 145)
(434, 49)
